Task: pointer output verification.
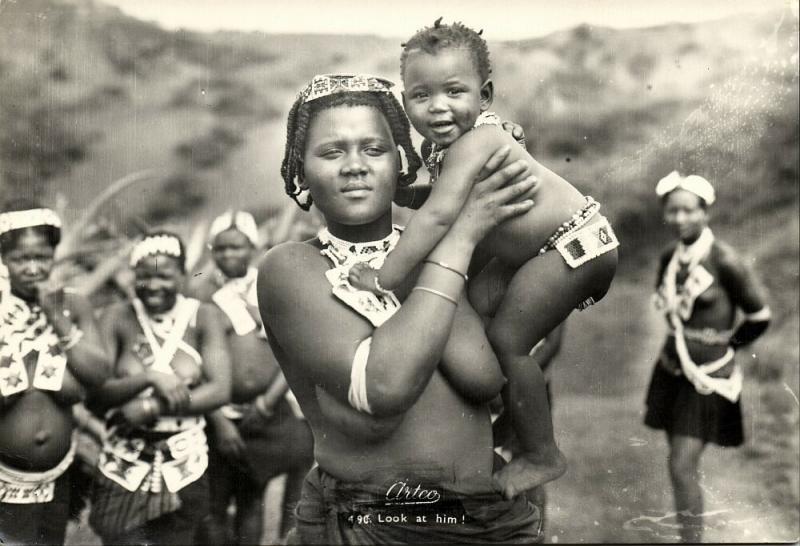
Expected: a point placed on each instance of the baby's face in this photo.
(443, 94)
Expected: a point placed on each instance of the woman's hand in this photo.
(228, 440)
(52, 300)
(495, 197)
(171, 389)
(134, 413)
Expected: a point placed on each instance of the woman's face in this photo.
(158, 281)
(232, 252)
(29, 263)
(350, 166)
(685, 215)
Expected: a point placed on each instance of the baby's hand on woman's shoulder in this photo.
(363, 277)
(516, 131)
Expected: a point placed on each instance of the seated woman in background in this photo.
(695, 388)
(171, 366)
(50, 353)
(257, 436)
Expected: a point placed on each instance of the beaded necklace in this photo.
(376, 308)
(26, 337)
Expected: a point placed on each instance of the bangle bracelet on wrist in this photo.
(436, 293)
(150, 407)
(381, 289)
(72, 338)
(449, 268)
(262, 410)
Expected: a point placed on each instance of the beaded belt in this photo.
(19, 487)
(178, 460)
(578, 242)
(708, 336)
(576, 221)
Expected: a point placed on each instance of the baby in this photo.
(532, 270)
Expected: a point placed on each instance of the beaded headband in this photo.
(156, 244)
(323, 85)
(238, 220)
(692, 183)
(19, 219)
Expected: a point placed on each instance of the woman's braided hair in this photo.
(302, 113)
(438, 37)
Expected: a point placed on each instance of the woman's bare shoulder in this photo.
(287, 257)
(288, 266)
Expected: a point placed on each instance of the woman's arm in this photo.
(429, 224)
(72, 319)
(322, 336)
(746, 293)
(116, 390)
(215, 391)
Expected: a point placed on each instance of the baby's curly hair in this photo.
(438, 37)
(302, 113)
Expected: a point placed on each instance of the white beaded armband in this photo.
(357, 393)
(761, 315)
(72, 338)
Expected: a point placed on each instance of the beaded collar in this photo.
(680, 299)
(342, 252)
(434, 160)
(376, 308)
(27, 337)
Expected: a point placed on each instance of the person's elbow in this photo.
(393, 396)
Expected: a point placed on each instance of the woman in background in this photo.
(171, 366)
(257, 436)
(704, 287)
(50, 353)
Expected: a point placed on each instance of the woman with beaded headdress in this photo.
(171, 366)
(51, 353)
(395, 387)
(714, 305)
(259, 435)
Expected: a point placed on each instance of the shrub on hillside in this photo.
(207, 151)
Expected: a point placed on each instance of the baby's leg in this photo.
(540, 296)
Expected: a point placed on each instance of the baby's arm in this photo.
(462, 166)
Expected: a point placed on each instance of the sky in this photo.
(516, 19)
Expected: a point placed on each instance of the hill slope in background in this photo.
(88, 95)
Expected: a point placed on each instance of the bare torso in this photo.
(254, 366)
(350, 449)
(519, 239)
(36, 425)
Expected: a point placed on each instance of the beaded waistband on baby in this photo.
(575, 222)
(578, 241)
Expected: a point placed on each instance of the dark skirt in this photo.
(41, 523)
(673, 405)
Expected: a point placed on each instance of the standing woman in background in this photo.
(171, 366)
(50, 352)
(695, 388)
(257, 436)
